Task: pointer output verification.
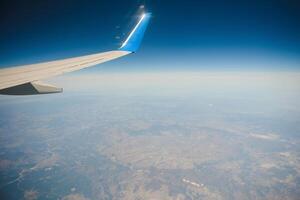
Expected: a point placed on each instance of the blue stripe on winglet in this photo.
(134, 39)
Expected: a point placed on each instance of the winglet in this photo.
(134, 39)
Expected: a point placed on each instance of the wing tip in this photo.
(133, 41)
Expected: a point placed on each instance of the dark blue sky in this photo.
(188, 34)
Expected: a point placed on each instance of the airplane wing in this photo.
(25, 80)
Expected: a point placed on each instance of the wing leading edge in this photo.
(25, 80)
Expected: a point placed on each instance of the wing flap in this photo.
(31, 88)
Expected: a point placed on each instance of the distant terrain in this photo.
(154, 136)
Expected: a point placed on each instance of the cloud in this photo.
(31, 195)
(74, 197)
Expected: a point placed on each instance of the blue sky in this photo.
(183, 35)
